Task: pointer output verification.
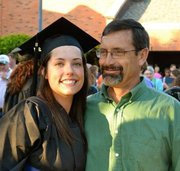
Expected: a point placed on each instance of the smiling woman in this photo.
(65, 73)
(50, 126)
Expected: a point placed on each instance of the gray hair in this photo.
(151, 69)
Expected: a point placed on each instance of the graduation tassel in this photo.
(35, 73)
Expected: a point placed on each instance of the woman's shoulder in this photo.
(39, 105)
(31, 109)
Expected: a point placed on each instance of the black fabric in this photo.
(92, 90)
(60, 27)
(11, 100)
(27, 130)
(174, 91)
(61, 40)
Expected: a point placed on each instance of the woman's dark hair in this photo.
(140, 36)
(77, 109)
(175, 72)
(176, 81)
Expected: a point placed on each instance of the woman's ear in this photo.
(42, 72)
(143, 54)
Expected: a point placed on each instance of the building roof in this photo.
(161, 18)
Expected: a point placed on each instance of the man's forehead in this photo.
(120, 38)
(119, 33)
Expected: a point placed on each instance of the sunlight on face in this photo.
(122, 70)
(65, 72)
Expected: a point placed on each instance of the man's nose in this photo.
(109, 58)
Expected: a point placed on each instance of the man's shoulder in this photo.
(94, 97)
(152, 95)
(164, 98)
(93, 102)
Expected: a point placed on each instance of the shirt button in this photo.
(116, 131)
(117, 110)
(116, 154)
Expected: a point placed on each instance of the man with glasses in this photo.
(128, 126)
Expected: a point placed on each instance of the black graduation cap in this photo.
(69, 34)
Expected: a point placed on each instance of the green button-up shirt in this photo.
(140, 133)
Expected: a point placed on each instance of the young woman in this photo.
(50, 135)
(46, 132)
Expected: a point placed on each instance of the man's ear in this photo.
(143, 54)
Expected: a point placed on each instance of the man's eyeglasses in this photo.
(115, 53)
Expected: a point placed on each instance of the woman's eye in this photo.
(60, 64)
(78, 64)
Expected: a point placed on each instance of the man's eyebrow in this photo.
(118, 48)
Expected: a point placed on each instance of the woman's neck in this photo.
(65, 102)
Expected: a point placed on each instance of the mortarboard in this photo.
(70, 34)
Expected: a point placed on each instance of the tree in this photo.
(9, 42)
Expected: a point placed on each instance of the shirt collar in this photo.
(137, 91)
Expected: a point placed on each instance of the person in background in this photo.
(156, 72)
(12, 61)
(129, 126)
(92, 74)
(172, 67)
(5, 73)
(99, 81)
(5, 70)
(175, 73)
(20, 84)
(94, 70)
(46, 131)
(167, 79)
(146, 80)
(157, 83)
(174, 90)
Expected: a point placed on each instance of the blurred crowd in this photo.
(167, 81)
(7, 63)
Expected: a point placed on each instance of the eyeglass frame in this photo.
(120, 51)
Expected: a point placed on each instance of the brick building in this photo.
(161, 18)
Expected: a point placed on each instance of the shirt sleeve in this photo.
(176, 138)
(20, 134)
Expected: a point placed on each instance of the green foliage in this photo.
(8, 43)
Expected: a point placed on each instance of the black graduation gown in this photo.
(28, 135)
(11, 100)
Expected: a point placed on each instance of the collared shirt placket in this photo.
(117, 152)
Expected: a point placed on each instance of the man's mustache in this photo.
(111, 67)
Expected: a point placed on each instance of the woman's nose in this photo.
(69, 69)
